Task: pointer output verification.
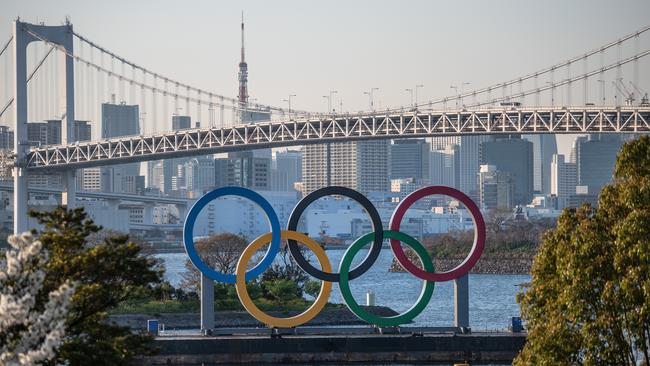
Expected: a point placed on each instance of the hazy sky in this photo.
(308, 48)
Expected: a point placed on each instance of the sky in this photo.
(309, 48)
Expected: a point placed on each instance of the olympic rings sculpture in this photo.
(325, 273)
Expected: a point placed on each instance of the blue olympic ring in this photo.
(188, 233)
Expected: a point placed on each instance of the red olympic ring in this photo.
(479, 234)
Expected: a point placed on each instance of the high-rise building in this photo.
(564, 178)
(513, 155)
(44, 133)
(444, 166)
(91, 179)
(121, 120)
(199, 174)
(469, 160)
(82, 131)
(247, 171)
(496, 188)
(6, 138)
(181, 122)
(544, 146)
(287, 170)
(441, 142)
(595, 158)
(362, 165)
(409, 158)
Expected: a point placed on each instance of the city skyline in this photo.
(272, 78)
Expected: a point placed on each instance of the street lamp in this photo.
(462, 91)
(602, 90)
(416, 93)
(329, 100)
(288, 100)
(410, 93)
(371, 97)
(455, 92)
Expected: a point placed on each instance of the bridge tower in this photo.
(24, 34)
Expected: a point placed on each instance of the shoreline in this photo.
(486, 265)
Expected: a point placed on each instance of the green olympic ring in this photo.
(392, 321)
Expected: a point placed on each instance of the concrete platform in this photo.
(476, 348)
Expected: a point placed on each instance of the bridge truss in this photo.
(339, 129)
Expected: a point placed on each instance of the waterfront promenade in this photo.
(411, 348)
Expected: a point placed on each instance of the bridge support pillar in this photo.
(461, 302)
(21, 197)
(69, 194)
(207, 303)
(24, 34)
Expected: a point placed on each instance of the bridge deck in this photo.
(194, 142)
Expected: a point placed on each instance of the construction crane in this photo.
(644, 99)
(629, 96)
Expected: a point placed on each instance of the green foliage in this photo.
(506, 237)
(283, 290)
(589, 299)
(220, 251)
(107, 274)
(312, 288)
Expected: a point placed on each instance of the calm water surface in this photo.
(492, 297)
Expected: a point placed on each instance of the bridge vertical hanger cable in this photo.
(92, 97)
(211, 111)
(221, 112)
(132, 88)
(198, 109)
(536, 86)
(165, 122)
(122, 81)
(111, 79)
(568, 85)
(154, 108)
(619, 73)
(552, 77)
(100, 88)
(585, 82)
(602, 76)
(635, 71)
(143, 105)
(81, 92)
(187, 103)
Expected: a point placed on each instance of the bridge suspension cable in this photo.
(4, 48)
(175, 82)
(533, 75)
(568, 81)
(31, 75)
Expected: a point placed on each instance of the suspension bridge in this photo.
(65, 76)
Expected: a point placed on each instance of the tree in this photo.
(108, 274)
(220, 252)
(29, 333)
(589, 298)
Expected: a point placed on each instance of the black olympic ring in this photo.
(377, 227)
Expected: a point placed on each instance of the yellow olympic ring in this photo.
(247, 302)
